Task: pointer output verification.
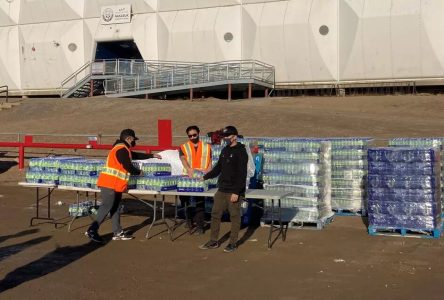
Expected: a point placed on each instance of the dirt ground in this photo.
(340, 262)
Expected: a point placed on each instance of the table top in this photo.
(79, 189)
(209, 193)
(249, 194)
(142, 192)
(37, 185)
(265, 194)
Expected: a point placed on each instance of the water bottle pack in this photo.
(155, 169)
(402, 195)
(404, 188)
(292, 157)
(83, 209)
(349, 172)
(186, 184)
(310, 180)
(404, 182)
(406, 155)
(155, 183)
(301, 166)
(412, 222)
(299, 169)
(420, 168)
(407, 208)
(433, 142)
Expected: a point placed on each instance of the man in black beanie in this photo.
(232, 171)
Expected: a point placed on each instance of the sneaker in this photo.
(94, 236)
(230, 248)
(122, 236)
(199, 231)
(209, 245)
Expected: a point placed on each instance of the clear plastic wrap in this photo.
(303, 167)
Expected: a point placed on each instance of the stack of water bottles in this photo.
(156, 177)
(194, 184)
(80, 172)
(431, 142)
(45, 170)
(83, 209)
(404, 190)
(349, 172)
(302, 167)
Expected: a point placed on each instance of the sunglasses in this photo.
(192, 135)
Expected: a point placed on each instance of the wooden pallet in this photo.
(404, 232)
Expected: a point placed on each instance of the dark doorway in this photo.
(117, 49)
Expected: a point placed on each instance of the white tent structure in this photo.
(309, 42)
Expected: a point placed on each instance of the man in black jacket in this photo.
(232, 171)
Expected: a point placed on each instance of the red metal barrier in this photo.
(164, 137)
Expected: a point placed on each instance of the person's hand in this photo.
(141, 173)
(234, 198)
(190, 172)
(158, 156)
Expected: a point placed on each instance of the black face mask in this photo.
(195, 140)
(133, 143)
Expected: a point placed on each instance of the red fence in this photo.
(164, 137)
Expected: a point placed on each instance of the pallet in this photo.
(317, 225)
(314, 225)
(350, 212)
(403, 232)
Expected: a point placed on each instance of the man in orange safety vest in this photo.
(113, 181)
(195, 155)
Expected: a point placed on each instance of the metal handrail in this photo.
(126, 75)
(5, 89)
(74, 76)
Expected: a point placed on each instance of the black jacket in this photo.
(231, 169)
(124, 158)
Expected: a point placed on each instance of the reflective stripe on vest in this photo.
(197, 159)
(114, 175)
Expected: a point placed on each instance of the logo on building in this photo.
(107, 15)
(116, 14)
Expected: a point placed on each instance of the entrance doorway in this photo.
(117, 49)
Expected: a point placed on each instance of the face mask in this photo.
(133, 143)
(227, 141)
(195, 140)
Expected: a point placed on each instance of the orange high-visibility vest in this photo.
(199, 159)
(114, 176)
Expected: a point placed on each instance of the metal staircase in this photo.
(126, 78)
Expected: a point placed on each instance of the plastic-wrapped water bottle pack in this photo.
(349, 173)
(302, 167)
(404, 188)
(434, 142)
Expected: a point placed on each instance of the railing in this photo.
(164, 143)
(4, 90)
(161, 77)
(123, 75)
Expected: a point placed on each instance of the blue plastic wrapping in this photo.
(404, 188)
(403, 155)
(402, 195)
(407, 208)
(384, 168)
(414, 222)
(403, 181)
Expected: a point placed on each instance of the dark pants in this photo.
(199, 216)
(110, 204)
(221, 204)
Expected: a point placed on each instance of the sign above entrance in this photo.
(116, 14)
